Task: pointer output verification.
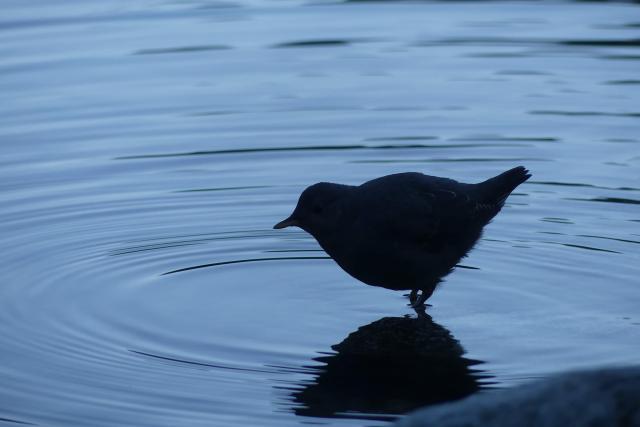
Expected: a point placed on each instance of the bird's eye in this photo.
(317, 209)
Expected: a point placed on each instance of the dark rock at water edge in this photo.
(598, 398)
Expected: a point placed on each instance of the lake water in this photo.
(169, 136)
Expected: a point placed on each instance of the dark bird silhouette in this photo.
(403, 231)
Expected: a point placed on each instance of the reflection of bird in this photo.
(391, 366)
(402, 231)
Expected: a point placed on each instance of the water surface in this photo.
(148, 149)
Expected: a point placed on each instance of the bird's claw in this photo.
(419, 309)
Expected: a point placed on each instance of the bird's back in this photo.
(412, 194)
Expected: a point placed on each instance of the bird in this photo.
(404, 231)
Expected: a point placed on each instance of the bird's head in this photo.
(318, 210)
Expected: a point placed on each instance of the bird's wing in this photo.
(427, 213)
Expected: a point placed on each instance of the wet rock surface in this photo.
(596, 398)
(389, 367)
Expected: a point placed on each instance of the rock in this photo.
(598, 398)
(387, 368)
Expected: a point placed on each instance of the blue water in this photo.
(140, 139)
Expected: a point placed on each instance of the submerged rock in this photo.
(599, 398)
(387, 368)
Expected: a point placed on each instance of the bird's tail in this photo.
(496, 190)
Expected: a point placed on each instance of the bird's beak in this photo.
(289, 222)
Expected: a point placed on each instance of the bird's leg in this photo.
(412, 296)
(419, 302)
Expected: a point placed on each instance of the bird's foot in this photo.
(421, 310)
(413, 296)
(422, 306)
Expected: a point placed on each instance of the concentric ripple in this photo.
(149, 149)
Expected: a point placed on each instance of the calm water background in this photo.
(144, 138)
